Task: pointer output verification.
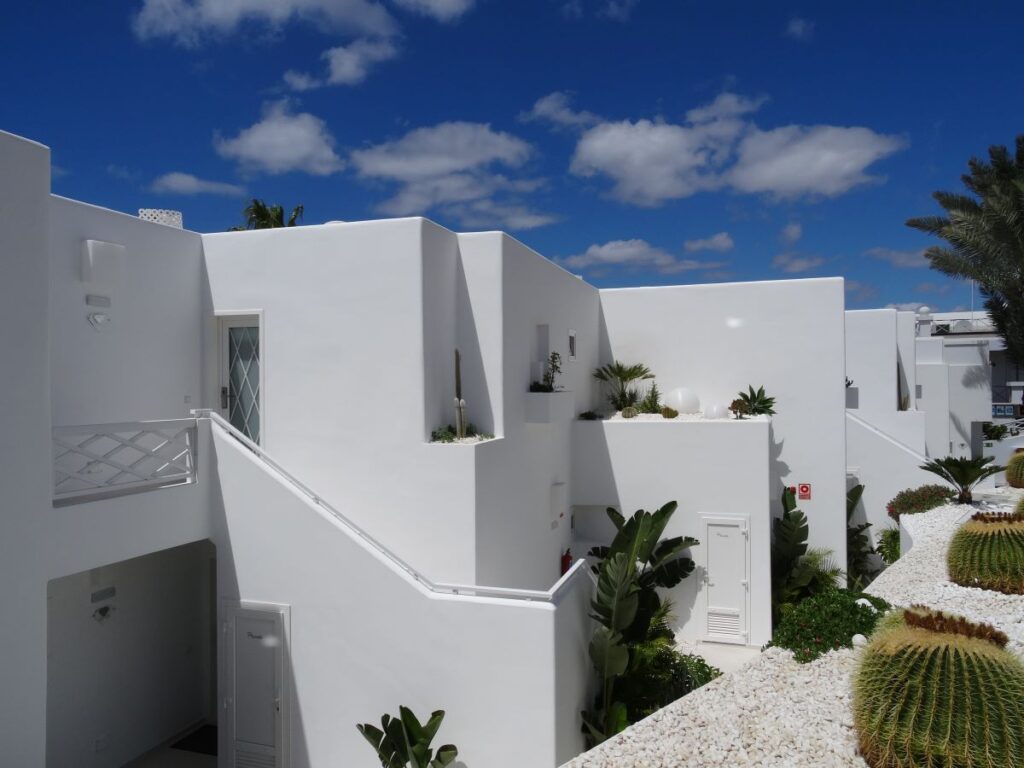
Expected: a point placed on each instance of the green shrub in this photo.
(660, 676)
(404, 741)
(621, 380)
(797, 572)
(859, 570)
(827, 621)
(629, 412)
(963, 473)
(889, 545)
(449, 435)
(914, 500)
(938, 691)
(988, 552)
(994, 431)
(1015, 471)
(652, 400)
(668, 412)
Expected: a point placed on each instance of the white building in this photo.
(164, 571)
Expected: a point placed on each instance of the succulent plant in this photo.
(668, 412)
(1015, 470)
(630, 412)
(754, 403)
(963, 473)
(988, 552)
(937, 690)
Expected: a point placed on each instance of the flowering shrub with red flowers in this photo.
(914, 500)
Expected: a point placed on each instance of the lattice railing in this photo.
(99, 460)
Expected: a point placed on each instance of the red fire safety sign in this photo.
(803, 491)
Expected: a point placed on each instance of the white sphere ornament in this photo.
(683, 400)
(859, 641)
(716, 411)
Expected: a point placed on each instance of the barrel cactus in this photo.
(988, 552)
(629, 412)
(1015, 470)
(937, 690)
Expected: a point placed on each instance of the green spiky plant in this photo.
(988, 552)
(629, 612)
(651, 402)
(936, 690)
(889, 545)
(963, 474)
(621, 380)
(403, 741)
(753, 403)
(797, 571)
(859, 570)
(1015, 471)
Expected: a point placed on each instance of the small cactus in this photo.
(460, 404)
(629, 412)
(988, 552)
(669, 412)
(1015, 470)
(937, 690)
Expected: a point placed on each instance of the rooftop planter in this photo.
(549, 407)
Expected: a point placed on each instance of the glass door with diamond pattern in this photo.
(241, 365)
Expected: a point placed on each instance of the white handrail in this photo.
(545, 596)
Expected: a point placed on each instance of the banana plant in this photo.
(797, 571)
(403, 742)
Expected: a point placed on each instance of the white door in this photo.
(256, 698)
(726, 574)
(241, 374)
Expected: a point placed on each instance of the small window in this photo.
(572, 345)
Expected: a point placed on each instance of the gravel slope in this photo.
(775, 712)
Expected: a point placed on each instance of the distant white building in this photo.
(221, 503)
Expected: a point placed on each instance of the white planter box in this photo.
(549, 407)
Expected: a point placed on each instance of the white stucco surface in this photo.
(786, 336)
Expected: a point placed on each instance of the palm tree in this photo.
(259, 215)
(985, 233)
(619, 379)
(963, 474)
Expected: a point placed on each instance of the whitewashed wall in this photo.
(25, 472)
(709, 468)
(519, 536)
(139, 677)
(906, 336)
(954, 376)
(785, 335)
(366, 638)
(146, 363)
(873, 351)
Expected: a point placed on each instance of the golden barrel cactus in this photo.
(988, 552)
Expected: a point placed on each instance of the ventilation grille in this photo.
(246, 758)
(724, 623)
(161, 216)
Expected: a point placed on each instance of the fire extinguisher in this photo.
(566, 562)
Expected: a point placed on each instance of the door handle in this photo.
(224, 397)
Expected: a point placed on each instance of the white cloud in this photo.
(902, 259)
(800, 29)
(793, 263)
(282, 142)
(350, 64)
(718, 146)
(860, 291)
(450, 167)
(935, 288)
(634, 253)
(189, 22)
(186, 184)
(906, 306)
(619, 10)
(821, 160)
(719, 243)
(554, 108)
(442, 10)
(792, 232)
(724, 106)
(300, 81)
(121, 172)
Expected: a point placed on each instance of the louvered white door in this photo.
(256, 700)
(726, 579)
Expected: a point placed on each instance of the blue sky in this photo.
(635, 141)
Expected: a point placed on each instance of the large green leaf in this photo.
(608, 653)
(615, 600)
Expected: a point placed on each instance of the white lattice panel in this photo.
(103, 459)
(162, 216)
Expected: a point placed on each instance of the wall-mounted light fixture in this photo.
(99, 320)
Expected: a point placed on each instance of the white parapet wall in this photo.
(712, 469)
(785, 335)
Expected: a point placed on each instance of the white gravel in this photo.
(772, 712)
(681, 417)
(920, 576)
(775, 712)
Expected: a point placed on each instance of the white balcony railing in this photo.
(103, 460)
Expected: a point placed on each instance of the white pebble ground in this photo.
(775, 712)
